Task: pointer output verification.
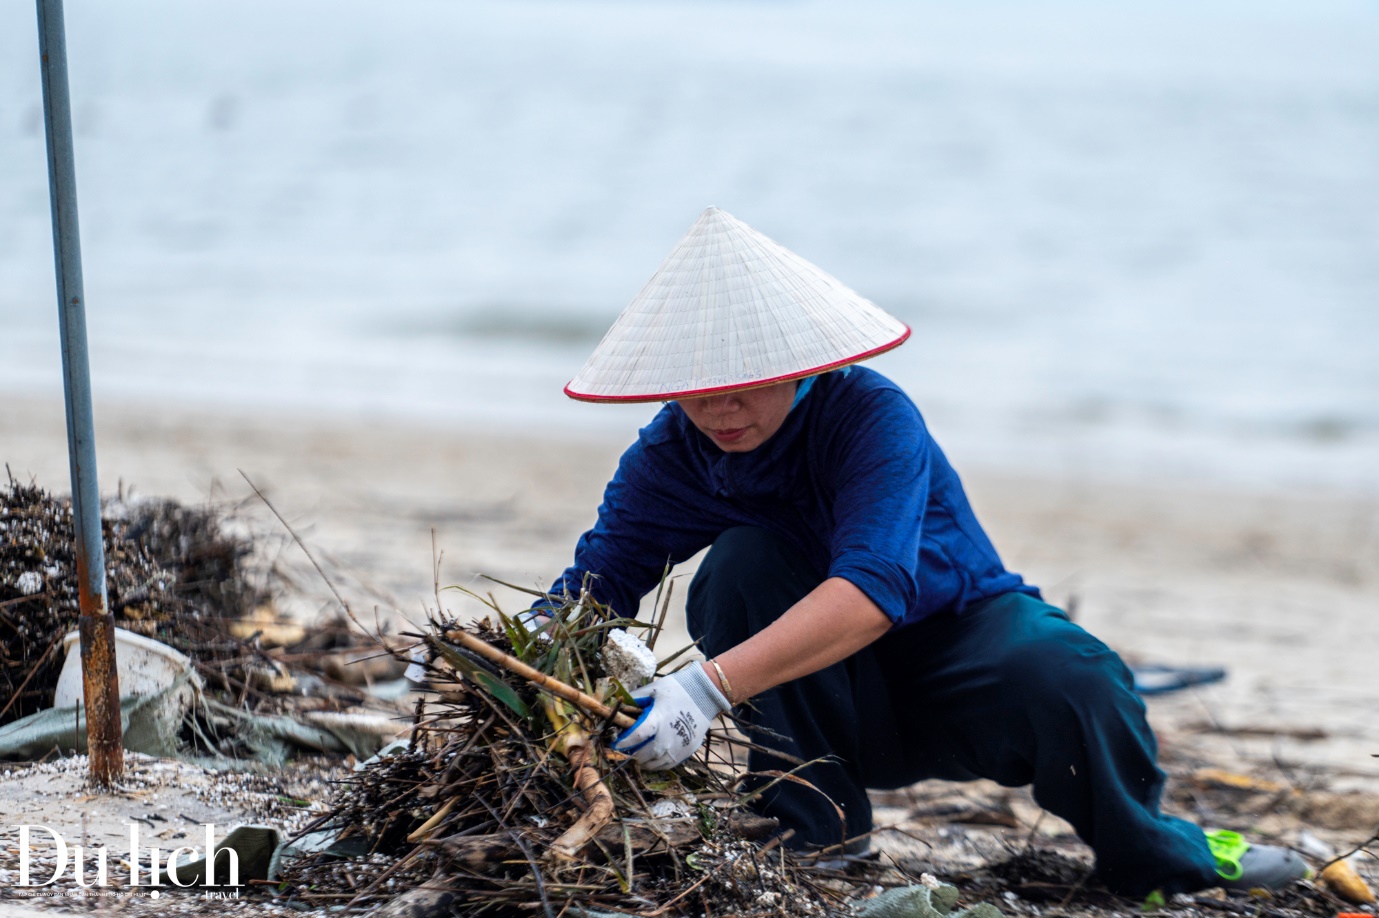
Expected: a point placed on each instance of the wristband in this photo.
(723, 681)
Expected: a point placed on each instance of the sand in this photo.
(1282, 589)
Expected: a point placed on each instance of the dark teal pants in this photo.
(1009, 690)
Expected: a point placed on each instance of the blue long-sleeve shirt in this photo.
(852, 478)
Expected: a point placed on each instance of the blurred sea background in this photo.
(1136, 240)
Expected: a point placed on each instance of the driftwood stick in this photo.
(535, 676)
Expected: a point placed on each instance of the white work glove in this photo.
(533, 620)
(679, 709)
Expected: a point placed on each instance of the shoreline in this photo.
(35, 420)
(1278, 587)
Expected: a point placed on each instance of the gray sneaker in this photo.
(1241, 865)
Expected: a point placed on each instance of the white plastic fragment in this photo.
(628, 660)
(416, 670)
(145, 666)
(671, 808)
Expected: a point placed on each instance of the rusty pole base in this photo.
(101, 690)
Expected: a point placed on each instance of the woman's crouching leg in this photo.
(749, 578)
(1034, 699)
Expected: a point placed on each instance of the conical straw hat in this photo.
(730, 309)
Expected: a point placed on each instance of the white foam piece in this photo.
(627, 659)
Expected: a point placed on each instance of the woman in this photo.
(849, 591)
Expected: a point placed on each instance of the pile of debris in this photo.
(185, 577)
(506, 802)
(172, 573)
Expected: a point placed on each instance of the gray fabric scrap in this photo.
(326, 841)
(254, 847)
(150, 724)
(272, 738)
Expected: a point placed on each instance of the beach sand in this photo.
(1281, 589)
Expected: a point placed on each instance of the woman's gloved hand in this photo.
(679, 709)
(534, 620)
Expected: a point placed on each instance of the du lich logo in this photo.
(84, 863)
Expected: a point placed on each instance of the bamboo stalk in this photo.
(572, 741)
(535, 676)
(588, 781)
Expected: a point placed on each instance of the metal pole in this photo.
(99, 677)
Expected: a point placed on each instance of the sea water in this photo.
(1131, 239)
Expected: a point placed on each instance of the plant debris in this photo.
(172, 573)
(489, 810)
(187, 577)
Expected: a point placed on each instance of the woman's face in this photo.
(739, 422)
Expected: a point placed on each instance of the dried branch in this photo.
(536, 677)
